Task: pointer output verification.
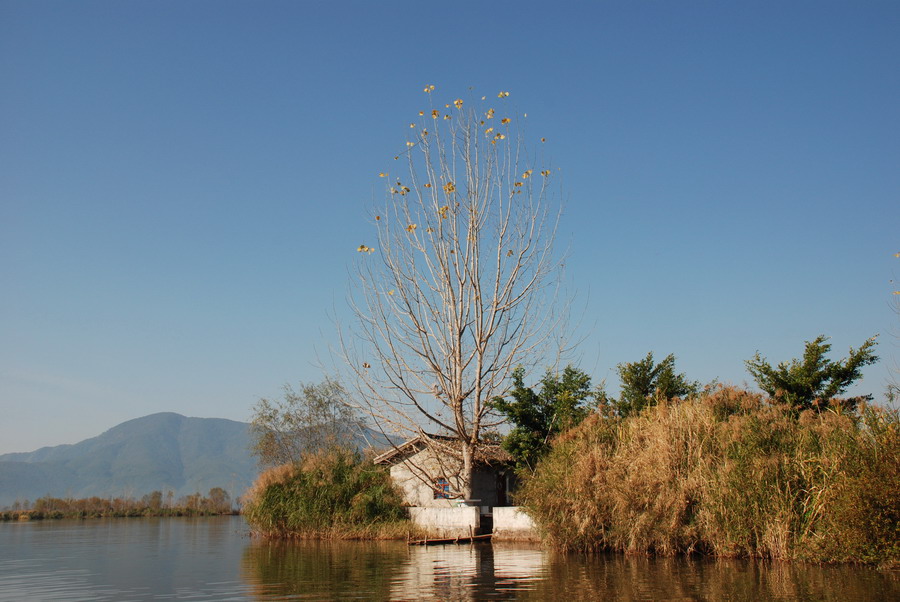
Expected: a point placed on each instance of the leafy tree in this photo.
(460, 286)
(219, 500)
(538, 416)
(645, 383)
(813, 381)
(314, 419)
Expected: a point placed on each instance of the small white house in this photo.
(426, 469)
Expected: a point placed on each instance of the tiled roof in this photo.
(485, 453)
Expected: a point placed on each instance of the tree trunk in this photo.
(468, 469)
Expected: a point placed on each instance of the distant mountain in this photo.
(162, 452)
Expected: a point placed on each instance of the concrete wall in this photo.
(512, 524)
(447, 522)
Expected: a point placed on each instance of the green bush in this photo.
(726, 474)
(334, 493)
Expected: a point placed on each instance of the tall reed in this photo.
(727, 474)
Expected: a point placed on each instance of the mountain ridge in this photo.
(163, 451)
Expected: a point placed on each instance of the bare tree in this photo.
(461, 285)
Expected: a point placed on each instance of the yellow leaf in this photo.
(489, 130)
(421, 113)
(527, 174)
(411, 228)
(458, 102)
(410, 144)
(446, 116)
(391, 292)
(382, 175)
(443, 211)
(449, 187)
(518, 184)
(435, 114)
(367, 365)
(504, 120)
(427, 184)
(545, 173)
(429, 229)
(503, 95)
(412, 125)
(489, 114)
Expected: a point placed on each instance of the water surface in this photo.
(215, 559)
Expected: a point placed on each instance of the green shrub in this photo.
(334, 493)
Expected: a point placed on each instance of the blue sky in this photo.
(183, 184)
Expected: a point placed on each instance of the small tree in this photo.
(813, 381)
(646, 383)
(314, 419)
(219, 500)
(539, 416)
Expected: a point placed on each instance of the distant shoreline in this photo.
(32, 515)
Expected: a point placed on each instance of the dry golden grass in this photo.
(725, 474)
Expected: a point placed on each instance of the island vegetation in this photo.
(796, 473)
(456, 308)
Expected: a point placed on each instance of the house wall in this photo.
(421, 494)
(417, 493)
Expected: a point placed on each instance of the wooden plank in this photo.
(448, 540)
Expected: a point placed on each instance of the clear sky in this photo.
(183, 184)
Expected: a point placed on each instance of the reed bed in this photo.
(727, 474)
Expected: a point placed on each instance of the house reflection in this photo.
(467, 572)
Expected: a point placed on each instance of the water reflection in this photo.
(213, 559)
(393, 571)
(319, 570)
(638, 578)
(469, 572)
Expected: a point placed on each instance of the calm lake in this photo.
(215, 559)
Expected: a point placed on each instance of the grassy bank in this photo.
(329, 495)
(727, 474)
